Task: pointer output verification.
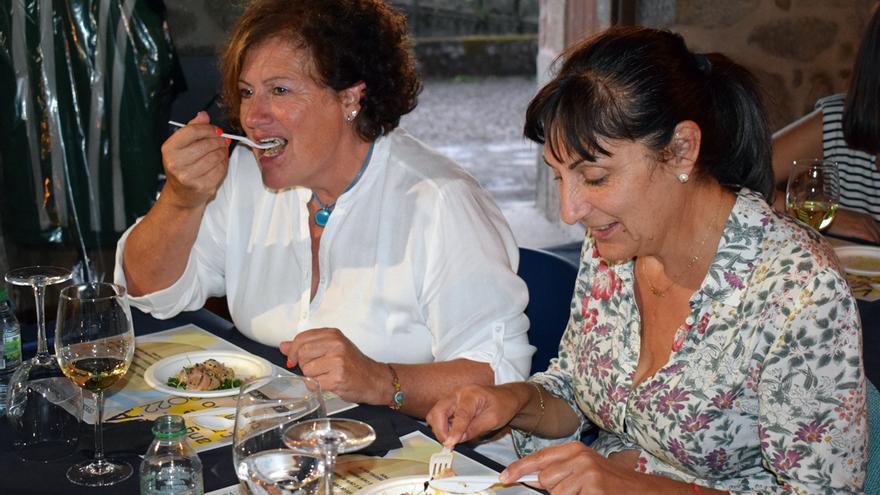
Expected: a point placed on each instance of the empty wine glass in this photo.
(265, 408)
(94, 342)
(329, 437)
(812, 193)
(43, 406)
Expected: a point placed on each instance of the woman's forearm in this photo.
(541, 413)
(157, 250)
(424, 384)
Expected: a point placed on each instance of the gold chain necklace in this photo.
(690, 264)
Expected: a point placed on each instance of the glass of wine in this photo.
(266, 407)
(812, 193)
(328, 437)
(94, 342)
(44, 407)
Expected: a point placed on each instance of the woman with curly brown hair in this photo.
(350, 245)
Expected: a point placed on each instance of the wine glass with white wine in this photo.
(812, 193)
(94, 343)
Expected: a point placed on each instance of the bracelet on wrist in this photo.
(397, 397)
(528, 434)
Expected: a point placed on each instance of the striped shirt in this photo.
(859, 177)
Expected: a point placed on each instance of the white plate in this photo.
(245, 366)
(860, 260)
(402, 486)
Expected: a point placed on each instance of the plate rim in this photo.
(153, 381)
(392, 482)
(870, 251)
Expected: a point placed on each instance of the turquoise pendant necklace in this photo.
(323, 214)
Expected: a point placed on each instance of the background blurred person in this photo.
(352, 245)
(713, 340)
(844, 128)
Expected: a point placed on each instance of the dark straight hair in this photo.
(861, 115)
(637, 84)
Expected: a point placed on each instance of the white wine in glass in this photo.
(94, 343)
(812, 194)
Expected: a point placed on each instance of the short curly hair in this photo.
(349, 41)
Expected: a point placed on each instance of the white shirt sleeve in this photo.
(473, 299)
(204, 275)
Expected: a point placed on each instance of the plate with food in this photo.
(860, 260)
(205, 374)
(405, 485)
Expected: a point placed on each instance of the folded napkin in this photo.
(386, 437)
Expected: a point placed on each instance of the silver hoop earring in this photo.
(351, 116)
(683, 177)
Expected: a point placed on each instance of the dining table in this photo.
(129, 440)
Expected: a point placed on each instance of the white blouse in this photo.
(417, 263)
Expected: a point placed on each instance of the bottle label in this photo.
(11, 351)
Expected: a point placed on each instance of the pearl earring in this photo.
(683, 177)
(351, 116)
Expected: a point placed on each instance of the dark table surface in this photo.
(128, 441)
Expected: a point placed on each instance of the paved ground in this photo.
(478, 123)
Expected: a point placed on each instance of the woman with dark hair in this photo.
(350, 245)
(713, 340)
(844, 128)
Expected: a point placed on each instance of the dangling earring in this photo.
(683, 177)
(351, 116)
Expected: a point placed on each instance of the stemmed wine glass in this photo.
(94, 342)
(43, 406)
(266, 407)
(812, 193)
(329, 437)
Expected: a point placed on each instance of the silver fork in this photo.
(261, 146)
(440, 461)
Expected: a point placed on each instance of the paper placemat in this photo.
(133, 399)
(354, 472)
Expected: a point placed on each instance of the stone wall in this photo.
(800, 50)
(199, 27)
(444, 18)
(477, 56)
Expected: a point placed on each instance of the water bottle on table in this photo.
(10, 340)
(170, 465)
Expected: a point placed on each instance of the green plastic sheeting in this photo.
(85, 90)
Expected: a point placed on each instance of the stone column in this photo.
(561, 23)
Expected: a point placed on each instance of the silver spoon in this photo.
(271, 143)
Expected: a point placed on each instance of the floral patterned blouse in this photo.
(764, 391)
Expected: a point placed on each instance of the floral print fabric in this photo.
(764, 390)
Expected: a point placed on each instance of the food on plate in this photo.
(207, 375)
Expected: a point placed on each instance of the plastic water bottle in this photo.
(10, 354)
(170, 465)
